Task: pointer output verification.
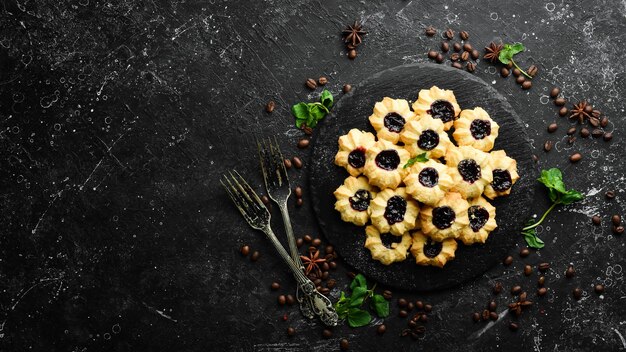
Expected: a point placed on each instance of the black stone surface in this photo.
(116, 119)
(353, 110)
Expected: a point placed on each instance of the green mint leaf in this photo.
(531, 238)
(317, 110)
(327, 99)
(381, 305)
(300, 110)
(510, 50)
(570, 197)
(358, 317)
(359, 281)
(420, 158)
(358, 293)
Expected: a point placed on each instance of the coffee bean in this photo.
(387, 294)
(616, 220)
(578, 293)
(475, 54)
(574, 158)
(513, 326)
(457, 65)
(555, 92)
(527, 85)
(608, 136)
(520, 79)
(589, 109)
(316, 242)
(432, 54)
(428, 308)
(465, 56)
(476, 317)
(509, 65)
(282, 299)
(571, 131)
(542, 291)
(493, 316)
(596, 220)
(547, 146)
(609, 194)
(594, 122)
(552, 127)
(298, 192)
(419, 305)
(327, 333)
(515, 290)
(287, 163)
(563, 111)
(524, 252)
(471, 67)
(333, 265)
(275, 286)
(331, 283)
(402, 302)
(618, 230)
(445, 47)
(604, 121)
(597, 133)
(492, 306)
(269, 107)
(308, 238)
(347, 88)
(516, 72)
(464, 35)
(299, 242)
(584, 132)
(322, 80)
(297, 162)
(535, 158)
(324, 291)
(423, 318)
(541, 281)
(381, 329)
(299, 202)
(504, 72)
(291, 331)
(306, 129)
(325, 268)
(352, 54)
(430, 31)
(449, 33)
(255, 256)
(403, 313)
(290, 300)
(532, 71)
(303, 143)
(410, 306)
(439, 58)
(508, 260)
(559, 101)
(528, 270)
(596, 113)
(456, 47)
(467, 47)
(454, 57)
(599, 288)
(497, 288)
(485, 315)
(311, 84)
(543, 267)
(245, 250)
(571, 139)
(344, 344)
(329, 249)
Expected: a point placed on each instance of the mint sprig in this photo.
(507, 53)
(553, 180)
(350, 307)
(311, 113)
(422, 158)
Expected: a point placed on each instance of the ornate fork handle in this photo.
(320, 305)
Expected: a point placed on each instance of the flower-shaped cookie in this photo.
(425, 135)
(482, 220)
(438, 103)
(428, 182)
(353, 200)
(504, 174)
(352, 149)
(384, 165)
(394, 211)
(429, 252)
(389, 118)
(470, 169)
(446, 218)
(396, 252)
(475, 128)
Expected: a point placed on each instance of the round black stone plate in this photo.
(353, 110)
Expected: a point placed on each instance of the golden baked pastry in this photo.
(504, 174)
(352, 149)
(353, 200)
(396, 252)
(394, 211)
(428, 181)
(470, 169)
(384, 165)
(482, 220)
(389, 118)
(438, 103)
(429, 252)
(475, 128)
(446, 218)
(425, 135)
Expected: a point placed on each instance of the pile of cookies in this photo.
(413, 185)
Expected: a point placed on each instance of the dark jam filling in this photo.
(443, 217)
(478, 217)
(429, 177)
(388, 160)
(469, 170)
(394, 122)
(356, 158)
(388, 239)
(428, 140)
(441, 109)
(361, 200)
(501, 180)
(395, 209)
(432, 248)
(480, 128)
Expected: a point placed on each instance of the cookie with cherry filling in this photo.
(353, 147)
(353, 200)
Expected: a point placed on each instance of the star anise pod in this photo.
(516, 307)
(492, 52)
(311, 261)
(580, 111)
(354, 34)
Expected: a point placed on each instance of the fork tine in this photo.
(250, 193)
(234, 198)
(278, 159)
(262, 159)
(271, 161)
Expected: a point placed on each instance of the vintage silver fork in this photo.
(258, 217)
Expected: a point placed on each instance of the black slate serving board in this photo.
(353, 110)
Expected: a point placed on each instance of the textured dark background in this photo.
(118, 117)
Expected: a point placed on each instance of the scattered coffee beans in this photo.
(504, 72)
(303, 143)
(255, 256)
(347, 88)
(508, 260)
(269, 107)
(311, 84)
(291, 331)
(282, 300)
(513, 326)
(275, 286)
(527, 85)
(439, 58)
(492, 306)
(555, 92)
(287, 163)
(432, 54)
(547, 146)
(599, 288)
(574, 158)
(381, 329)
(528, 270)
(476, 317)
(457, 65)
(559, 101)
(297, 162)
(608, 136)
(245, 250)
(352, 54)
(327, 333)
(456, 47)
(344, 344)
(618, 230)
(609, 194)
(541, 281)
(577, 293)
(428, 308)
(464, 35)
(449, 33)
(475, 54)
(570, 272)
(515, 290)
(563, 111)
(497, 288)
(517, 72)
(471, 67)
(387, 294)
(430, 31)
(445, 47)
(532, 71)
(552, 127)
(542, 291)
(290, 300)
(520, 79)
(543, 267)
(322, 80)
(616, 220)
